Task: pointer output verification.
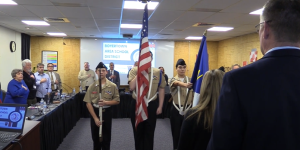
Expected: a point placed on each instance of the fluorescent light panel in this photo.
(139, 5)
(193, 38)
(257, 12)
(7, 2)
(36, 23)
(135, 26)
(220, 29)
(56, 34)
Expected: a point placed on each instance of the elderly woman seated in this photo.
(17, 90)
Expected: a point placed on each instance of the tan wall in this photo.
(223, 53)
(68, 57)
(236, 50)
(188, 51)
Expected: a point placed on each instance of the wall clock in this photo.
(12, 46)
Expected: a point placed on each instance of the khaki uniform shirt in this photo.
(84, 79)
(155, 81)
(109, 92)
(183, 91)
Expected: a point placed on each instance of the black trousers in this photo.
(106, 130)
(176, 122)
(144, 134)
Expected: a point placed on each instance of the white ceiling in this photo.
(172, 19)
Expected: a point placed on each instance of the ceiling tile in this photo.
(177, 4)
(82, 22)
(105, 3)
(215, 4)
(134, 14)
(164, 15)
(244, 19)
(33, 2)
(16, 11)
(193, 16)
(245, 6)
(44, 11)
(114, 13)
(75, 12)
(108, 23)
(221, 17)
(110, 30)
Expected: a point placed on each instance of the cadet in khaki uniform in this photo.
(178, 87)
(110, 96)
(144, 134)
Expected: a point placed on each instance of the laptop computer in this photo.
(12, 119)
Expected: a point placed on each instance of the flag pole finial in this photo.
(205, 33)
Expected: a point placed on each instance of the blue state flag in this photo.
(201, 67)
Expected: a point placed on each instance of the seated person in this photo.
(17, 90)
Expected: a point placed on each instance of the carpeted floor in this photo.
(122, 136)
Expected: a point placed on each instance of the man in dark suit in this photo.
(259, 104)
(113, 75)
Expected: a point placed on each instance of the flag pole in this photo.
(188, 94)
(100, 110)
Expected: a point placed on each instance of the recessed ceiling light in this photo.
(220, 29)
(7, 2)
(56, 34)
(193, 38)
(139, 5)
(36, 23)
(135, 26)
(96, 39)
(27, 28)
(257, 12)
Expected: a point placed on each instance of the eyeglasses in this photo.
(257, 27)
(49, 66)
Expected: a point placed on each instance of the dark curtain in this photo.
(25, 47)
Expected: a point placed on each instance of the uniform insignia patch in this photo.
(107, 92)
(94, 92)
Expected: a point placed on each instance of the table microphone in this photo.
(65, 89)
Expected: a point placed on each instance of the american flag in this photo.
(144, 64)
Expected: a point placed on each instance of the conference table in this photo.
(29, 139)
(122, 110)
(61, 118)
(57, 123)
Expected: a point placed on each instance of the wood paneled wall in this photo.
(236, 50)
(188, 51)
(222, 53)
(68, 57)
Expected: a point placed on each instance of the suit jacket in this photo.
(259, 105)
(57, 78)
(30, 82)
(115, 80)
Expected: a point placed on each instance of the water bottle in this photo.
(73, 92)
(80, 89)
(42, 103)
(44, 108)
(58, 94)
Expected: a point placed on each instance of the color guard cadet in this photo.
(179, 86)
(109, 97)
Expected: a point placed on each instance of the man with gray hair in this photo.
(258, 106)
(43, 83)
(86, 76)
(29, 79)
